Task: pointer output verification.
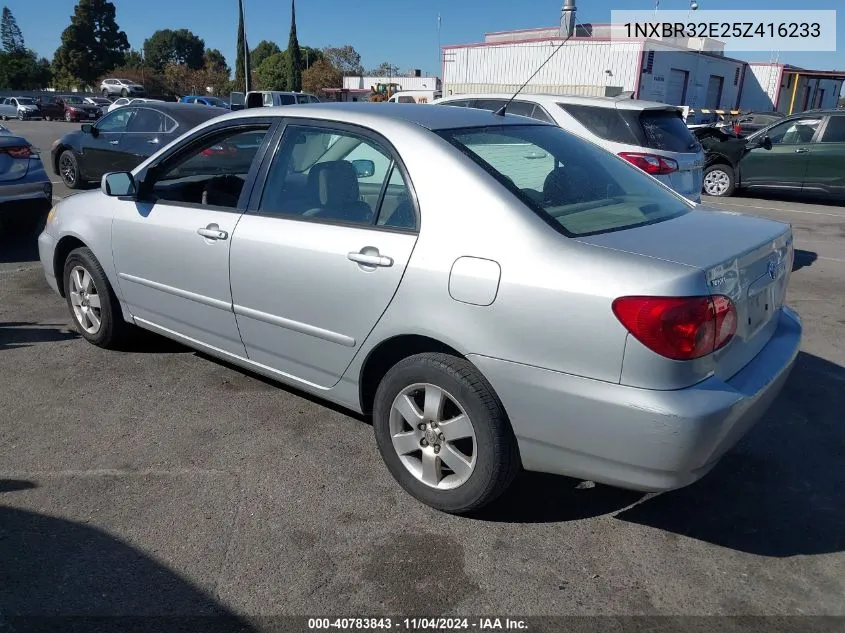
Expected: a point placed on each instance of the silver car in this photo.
(23, 108)
(496, 292)
(26, 192)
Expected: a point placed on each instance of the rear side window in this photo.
(835, 130)
(287, 99)
(667, 131)
(605, 123)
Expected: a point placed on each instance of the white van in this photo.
(273, 98)
(415, 96)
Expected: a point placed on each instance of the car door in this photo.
(7, 108)
(102, 149)
(171, 243)
(146, 133)
(826, 158)
(785, 164)
(313, 266)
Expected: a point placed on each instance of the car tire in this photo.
(69, 169)
(105, 93)
(85, 285)
(124, 92)
(469, 481)
(3, 117)
(20, 116)
(719, 180)
(48, 118)
(68, 117)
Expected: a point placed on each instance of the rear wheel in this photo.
(444, 434)
(69, 169)
(93, 305)
(719, 180)
(105, 93)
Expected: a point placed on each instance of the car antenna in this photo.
(567, 20)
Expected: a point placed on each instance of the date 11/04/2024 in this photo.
(417, 624)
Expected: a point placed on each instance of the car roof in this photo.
(428, 116)
(189, 113)
(552, 99)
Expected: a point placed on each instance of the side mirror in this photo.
(765, 142)
(88, 128)
(118, 184)
(364, 168)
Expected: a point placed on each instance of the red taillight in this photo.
(650, 163)
(219, 150)
(18, 152)
(680, 328)
(737, 129)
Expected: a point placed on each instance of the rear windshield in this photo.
(576, 186)
(667, 131)
(605, 123)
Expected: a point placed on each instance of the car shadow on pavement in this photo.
(781, 491)
(789, 196)
(58, 575)
(15, 334)
(803, 259)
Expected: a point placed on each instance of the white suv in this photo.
(651, 135)
(121, 87)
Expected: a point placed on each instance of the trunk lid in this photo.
(12, 168)
(745, 258)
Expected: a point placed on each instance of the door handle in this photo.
(801, 150)
(213, 232)
(113, 142)
(370, 259)
(153, 141)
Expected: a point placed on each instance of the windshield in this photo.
(576, 186)
(26, 101)
(216, 102)
(72, 99)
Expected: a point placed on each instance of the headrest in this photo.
(334, 183)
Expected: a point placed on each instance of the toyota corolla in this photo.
(495, 292)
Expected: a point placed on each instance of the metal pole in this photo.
(794, 90)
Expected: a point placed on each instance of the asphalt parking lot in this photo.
(160, 482)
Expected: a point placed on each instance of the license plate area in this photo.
(762, 305)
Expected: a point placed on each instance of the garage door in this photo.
(676, 87)
(714, 91)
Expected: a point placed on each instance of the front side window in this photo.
(333, 175)
(794, 132)
(116, 121)
(211, 172)
(578, 187)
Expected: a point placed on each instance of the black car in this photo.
(123, 139)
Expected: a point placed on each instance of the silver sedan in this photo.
(495, 292)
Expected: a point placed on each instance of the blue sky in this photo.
(378, 29)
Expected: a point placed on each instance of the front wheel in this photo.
(95, 309)
(105, 93)
(719, 181)
(444, 434)
(124, 92)
(69, 169)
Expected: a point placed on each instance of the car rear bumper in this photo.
(28, 190)
(637, 438)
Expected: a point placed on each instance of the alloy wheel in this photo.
(716, 182)
(433, 436)
(85, 300)
(67, 169)
(68, 117)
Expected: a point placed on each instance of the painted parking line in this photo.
(735, 206)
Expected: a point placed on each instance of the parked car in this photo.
(52, 107)
(101, 102)
(122, 139)
(206, 100)
(274, 98)
(800, 153)
(23, 108)
(723, 150)
(26, 192)
(651, 135)
(496, 292)
(76, 109)
(123, 101)
(121, 88)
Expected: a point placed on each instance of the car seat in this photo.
(333, 188)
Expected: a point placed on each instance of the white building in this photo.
(358, 88)
(785, 88)
(683, 72)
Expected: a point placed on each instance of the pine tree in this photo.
(10, 33)
(242, 62)
(294, 73)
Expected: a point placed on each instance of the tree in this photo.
(93, 44)
(321, 75)
(385, 69)
(215, 61)
(309, 56)
(345, 58)
(23, 70)
(133, 59)
(294, 70)
(261, 52)
(272, 74)
(174, 47)
(243, 68)
(11, 37)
